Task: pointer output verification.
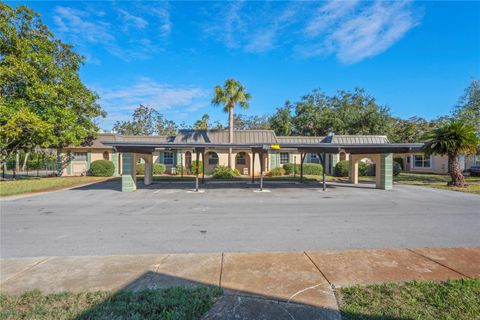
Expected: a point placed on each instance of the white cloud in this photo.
(128, 38)
(162, 97)
(132, 21)
(350, 30)
(376, 28)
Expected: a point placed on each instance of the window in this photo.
(241, 158)
(422, 161)
(168, 157)
(106, 156)
(212, 158)
(80, 156)
(315, 158)
(477, 160)
(284, 157)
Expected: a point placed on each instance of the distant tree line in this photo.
(317, 114)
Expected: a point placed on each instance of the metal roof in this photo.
(222, 136)
(359, 139)
(258, 139)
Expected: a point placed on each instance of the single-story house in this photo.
(248, 148)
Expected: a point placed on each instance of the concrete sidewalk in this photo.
(292, 284)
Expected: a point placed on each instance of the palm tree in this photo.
(453, 139)
(231, 94)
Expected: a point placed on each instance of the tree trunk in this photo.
(25, 160)
(455, 173)
(230, 135)
(17, 161)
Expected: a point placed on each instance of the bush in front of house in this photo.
(315, 169)
(224, 172)
(399, 161)
(397, 168)
(364, 169)
(276, 172)
(140, 169)
(158, 168)
(194, 167)
(288, 167)
(342, 168)
(102, 168)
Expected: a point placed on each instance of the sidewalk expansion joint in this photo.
(27, 269)
(437, 262)
(321, 272)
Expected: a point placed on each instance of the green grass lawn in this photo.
(172, 303)
(36, 184)
(455, 300)
(437, 181)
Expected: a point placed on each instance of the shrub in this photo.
(194, 167)
(179, 169)
(397, 168)
(399, 161)
(288, 167)
(276, 172)
(102, 168)
(342, 168)
(140, 169)
(308, 168)
(158, 168)
(224, 172)
(311, 169)
(363, 168)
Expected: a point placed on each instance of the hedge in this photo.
(224, 172)
(342, 168)
(194, 167)
(158, 168)
(397, 168)
(102, 168)
(308, 168)
(399, 161)
(276, 172)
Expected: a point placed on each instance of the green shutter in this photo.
(290, 157)
(89, 159)
(308, 158)
(161, 157)
(273, 159)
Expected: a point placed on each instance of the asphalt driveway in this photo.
(168, 218)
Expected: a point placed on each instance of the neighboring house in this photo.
(421, 163)
(242, 158)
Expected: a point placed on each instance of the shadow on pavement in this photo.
(233, 305)
(115, 185)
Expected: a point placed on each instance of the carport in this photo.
(382, 155)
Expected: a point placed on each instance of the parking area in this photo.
(170, 218)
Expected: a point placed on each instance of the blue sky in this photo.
(415, 57)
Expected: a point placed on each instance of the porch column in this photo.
(386, 172)
(115, 163)
(129, 176)
(353, 172)
(148, 175)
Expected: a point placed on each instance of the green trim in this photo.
(386, 171)
(334, 162)
(273, 159)
(161, 157)
(128, 172)
(89, 159)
